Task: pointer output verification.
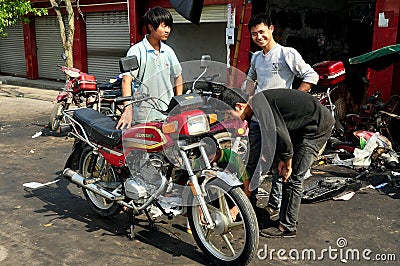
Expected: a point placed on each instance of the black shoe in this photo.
(267, 224)
(274, 232)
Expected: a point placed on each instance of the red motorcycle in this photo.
(163, 165)
(81, 89)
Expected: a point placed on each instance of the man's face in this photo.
(162, 32)
(262, 34)
(242, 111)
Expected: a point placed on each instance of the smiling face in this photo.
(262, 36)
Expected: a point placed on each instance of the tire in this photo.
(99, 204)
(243, 235)
(56, 115)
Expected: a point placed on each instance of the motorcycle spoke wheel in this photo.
(56, 115)
(234, 238)
(99, 204)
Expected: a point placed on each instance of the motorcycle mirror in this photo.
(205, 61)
(127, 64)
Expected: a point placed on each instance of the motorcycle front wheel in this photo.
(99, 204)
(234, 240)
(56, 115)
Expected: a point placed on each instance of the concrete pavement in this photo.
(55, 226)
(39, 83)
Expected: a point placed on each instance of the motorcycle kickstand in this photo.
(152, 225)
(131, 215)
(170, 215)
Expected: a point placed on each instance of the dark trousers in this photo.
(253, 163)
(305, 150)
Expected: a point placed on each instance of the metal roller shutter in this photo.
(190, 41)
(107, 41)
(210, 13)
(12, 51)
(49, 47)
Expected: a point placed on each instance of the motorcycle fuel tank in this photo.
(146, 137)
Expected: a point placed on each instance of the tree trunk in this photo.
(66, 39)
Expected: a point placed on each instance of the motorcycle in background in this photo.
(81, 89)
(163, 164)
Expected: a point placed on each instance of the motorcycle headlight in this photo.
(198, 124)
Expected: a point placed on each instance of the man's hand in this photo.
(126, 118)
(305, 87)
(285, 169)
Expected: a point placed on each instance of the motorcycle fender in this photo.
(73, 159)
(62, 96)
(229, 179)
(224, 180)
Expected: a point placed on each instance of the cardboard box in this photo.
(330, 72)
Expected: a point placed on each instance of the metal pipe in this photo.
(155, 194)
(79, 180)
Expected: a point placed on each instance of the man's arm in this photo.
(178, 85)
(250, 87)
(126, 118)
(278, 133)
(301, 69)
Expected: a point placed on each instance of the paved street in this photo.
(55, 226)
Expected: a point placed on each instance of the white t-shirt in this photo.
(278, 67)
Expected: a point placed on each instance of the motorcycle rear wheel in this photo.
(99, 204)
(56, 115)
(230, 242)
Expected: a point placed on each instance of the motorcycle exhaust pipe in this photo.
(76, 178)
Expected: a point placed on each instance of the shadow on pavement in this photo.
(67, 205)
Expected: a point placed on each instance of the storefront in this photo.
(12, 59)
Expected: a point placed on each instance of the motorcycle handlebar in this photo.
(134, 98)
(137, 99)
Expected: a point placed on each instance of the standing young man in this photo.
(299, 125)
(157, 64)
(274, 66)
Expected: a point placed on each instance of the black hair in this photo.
(233, 96)
(155, 16)
(258, 19)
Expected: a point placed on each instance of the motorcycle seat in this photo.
(98, 127)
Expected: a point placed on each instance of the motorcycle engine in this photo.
(145, 176)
